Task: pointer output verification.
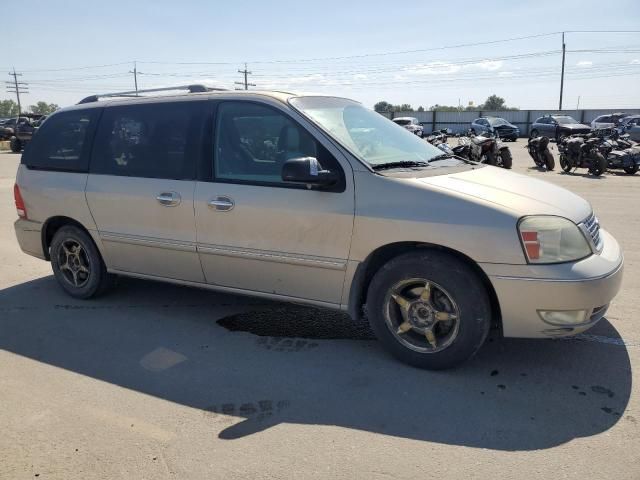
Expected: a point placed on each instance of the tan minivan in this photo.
(317, 200)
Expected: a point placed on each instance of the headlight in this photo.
(549, 239)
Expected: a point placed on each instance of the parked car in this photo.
(556, 126)
(610, 120)
(289, 205)
(500, 126)
(411, 124)
(24, 130)
(631, 125)
(7, 128)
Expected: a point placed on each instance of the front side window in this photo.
(61, 143)
(155, 140)
(367, 134)
(253, 141)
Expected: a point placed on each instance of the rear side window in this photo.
(62, 143)
(158, 140)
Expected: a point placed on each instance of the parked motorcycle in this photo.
(486, 148)
(439, 139)
(581, 151)
(538, 148)
(620, 151)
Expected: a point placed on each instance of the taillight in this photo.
(17, 196)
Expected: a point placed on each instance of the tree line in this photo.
(493, 103)
(9, 108)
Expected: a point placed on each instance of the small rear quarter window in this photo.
(62, 142)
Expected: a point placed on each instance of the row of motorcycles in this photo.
(596, 151)
(486, 148)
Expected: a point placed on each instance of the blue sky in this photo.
(295, 46)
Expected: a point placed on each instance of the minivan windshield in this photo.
(367, 134)
(402, 122)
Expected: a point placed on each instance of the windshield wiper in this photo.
(406, 163)
(442, 156)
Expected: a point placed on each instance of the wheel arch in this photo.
(376, 259)
(52, 225)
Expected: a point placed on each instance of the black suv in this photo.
(24, 130)
(556, 126)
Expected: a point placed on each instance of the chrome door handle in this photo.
(221, 204)
(169, 199)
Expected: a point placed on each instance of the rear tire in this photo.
(507, 159)
(77, 264)
(631, 170)
(455, 309)
(549, 160)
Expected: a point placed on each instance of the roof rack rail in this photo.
(196, 88)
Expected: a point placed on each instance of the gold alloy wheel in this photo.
(73, 263)
(421, 315)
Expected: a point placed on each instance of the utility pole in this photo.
(17, 87)
(562, 74)
(246, 84)
(135, 75)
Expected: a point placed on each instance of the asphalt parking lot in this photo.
(160, 381)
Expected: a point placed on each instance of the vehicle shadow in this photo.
(163, 340)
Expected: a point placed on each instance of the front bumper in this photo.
(588, 284)
(29, 237)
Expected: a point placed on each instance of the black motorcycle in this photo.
(485, 148)
(582, 151)
(538, 148)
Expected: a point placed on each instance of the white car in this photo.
(411, 124)
(607, 121)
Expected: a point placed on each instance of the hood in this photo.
(505, 126)
(576, 126)
(519, 193)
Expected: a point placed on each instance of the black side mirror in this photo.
(308, 170)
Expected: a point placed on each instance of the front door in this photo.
(141, 184)
(258, 233)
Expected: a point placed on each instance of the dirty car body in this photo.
(314, 200)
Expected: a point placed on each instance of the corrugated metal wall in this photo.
(459, 122)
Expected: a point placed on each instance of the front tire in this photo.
(507, 159)
(429, 309)
(598, 164)
(565, 164)
(77, 264)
